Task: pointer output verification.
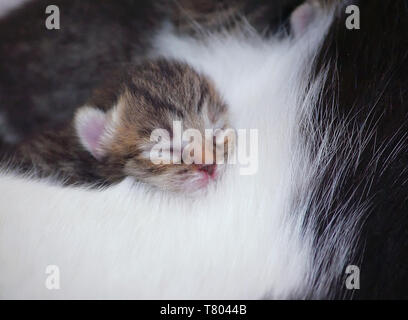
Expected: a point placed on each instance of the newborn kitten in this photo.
(110, 137)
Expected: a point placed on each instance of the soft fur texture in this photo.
(247, 238)
(112, 136)
(47, 74)
(331, 189)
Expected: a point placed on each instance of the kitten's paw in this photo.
(303, 16)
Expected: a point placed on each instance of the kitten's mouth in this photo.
(208, 172)
(204, 174)
(208, 169)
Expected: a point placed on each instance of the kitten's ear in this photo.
(91, 125)
(303, 16)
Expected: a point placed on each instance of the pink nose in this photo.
(208, 168)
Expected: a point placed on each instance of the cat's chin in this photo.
(196, 183)
(199, 182)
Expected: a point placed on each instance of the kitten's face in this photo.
(165, 93)
(142, 139)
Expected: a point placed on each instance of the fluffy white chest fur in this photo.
(243, 240)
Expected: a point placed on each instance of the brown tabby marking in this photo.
(134, 103)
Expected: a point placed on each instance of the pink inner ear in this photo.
(302, 17)
(90, 131)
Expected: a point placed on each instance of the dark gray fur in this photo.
(46, 74)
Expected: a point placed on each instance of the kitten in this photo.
(110, 137)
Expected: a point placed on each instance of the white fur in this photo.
(242, 240)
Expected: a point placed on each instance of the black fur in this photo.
(368, 81)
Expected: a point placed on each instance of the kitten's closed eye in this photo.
(191, 167)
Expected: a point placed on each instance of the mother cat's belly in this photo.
(242, 240)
